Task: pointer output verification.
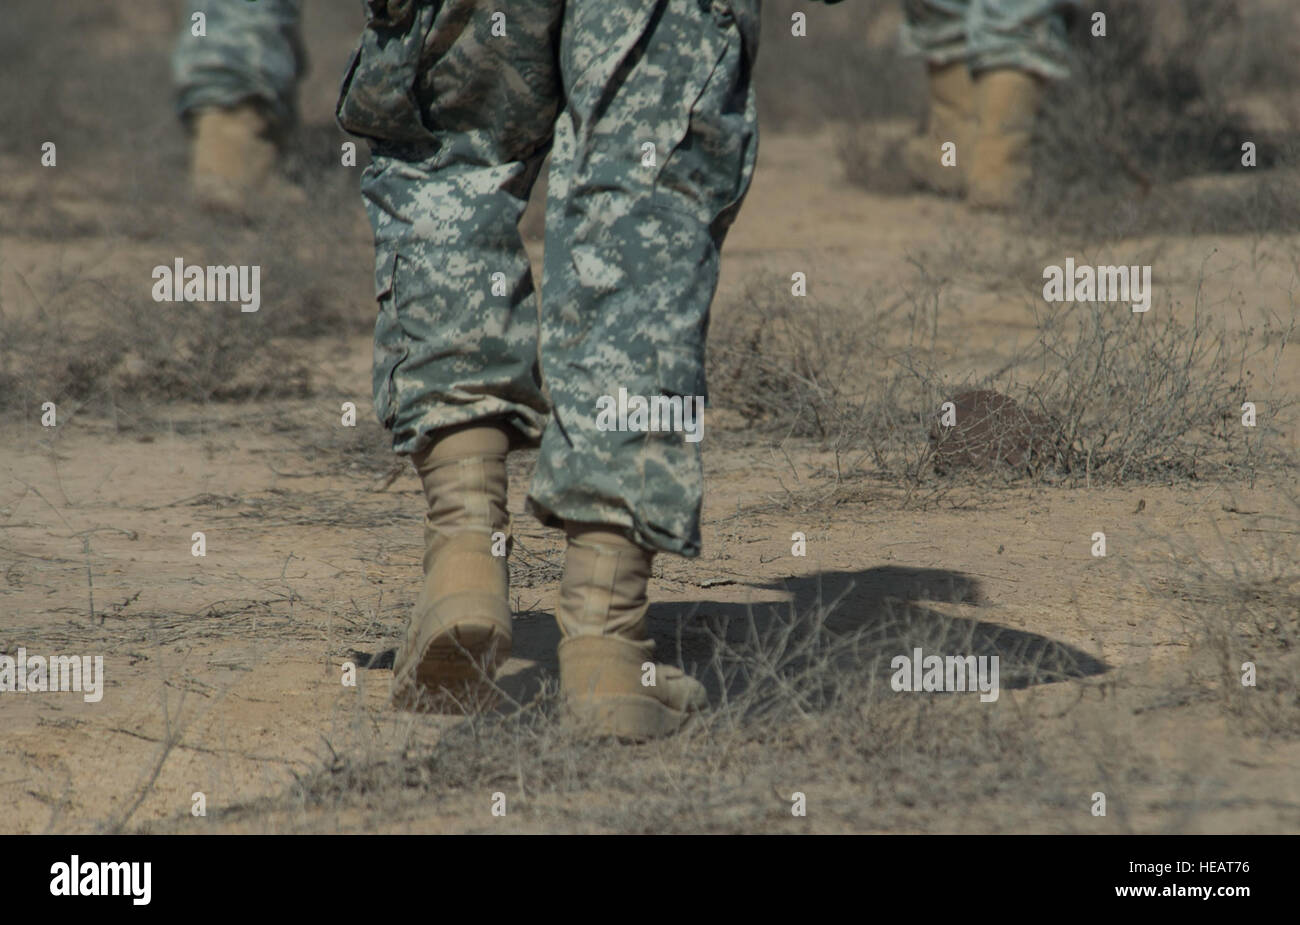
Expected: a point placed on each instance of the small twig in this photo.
(382, 483)
(248, 756)
(90, 582)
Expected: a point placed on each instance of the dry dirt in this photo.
(223, 671)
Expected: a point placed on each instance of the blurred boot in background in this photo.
(1006, 51)
(236, 70)
(951, 118)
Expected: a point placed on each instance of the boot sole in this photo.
(455, 671)
(627, 716)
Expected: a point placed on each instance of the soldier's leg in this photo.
(1026, 35)
(236, 66)
(633, 234)
(1016, 46)
(248, 52)
(459, 121)
(458, 100)
(653, 156)
(937, 31)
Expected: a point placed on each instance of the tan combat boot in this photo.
(605, 668)
(459, 632)
(232, 156)
(951, 118)
(1006, 102)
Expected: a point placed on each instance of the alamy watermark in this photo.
(40, 674)
(193, 283)
(1085, 283)
(920, 672)
(76, 877)
(658, 413)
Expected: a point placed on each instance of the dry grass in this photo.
(1128, 397)
(801, 704)
(1159, 100)
(847, 62)
(1240, 602)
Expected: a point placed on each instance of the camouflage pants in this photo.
(1028, 35)
(251, 51)
(652, 117)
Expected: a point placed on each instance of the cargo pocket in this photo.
(715, 147)
(378, 98)
(391, 348)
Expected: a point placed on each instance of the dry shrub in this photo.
(1242, 605)
(782, 364)
(847, 64)
(103, 344)
(1159, 99)
(1137, 396)
(1117, 396)
(855, 378)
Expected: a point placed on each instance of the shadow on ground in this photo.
(855, 622)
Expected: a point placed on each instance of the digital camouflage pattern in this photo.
(461, 100)
(251, 50)
(1028, 35)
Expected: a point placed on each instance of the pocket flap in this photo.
(385, 267)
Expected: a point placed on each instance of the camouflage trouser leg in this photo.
(459, 116)
(250, 51)
(1028, 35)
(459, 121)
(632, 244)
